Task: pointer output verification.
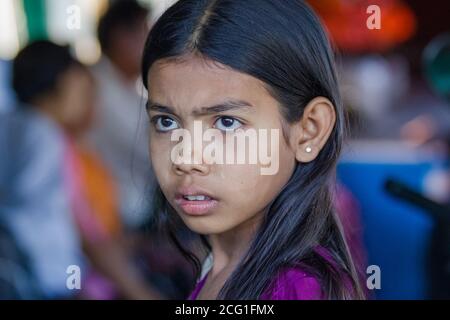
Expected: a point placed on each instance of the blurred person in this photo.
(120, 127)
(96, 204)
(34, 205)
(16, 277)
(91, 190)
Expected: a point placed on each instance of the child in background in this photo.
(65, 96)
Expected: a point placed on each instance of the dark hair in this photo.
(121, 14)
(283, 44)
(37, 68)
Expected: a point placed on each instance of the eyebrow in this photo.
(218, 108)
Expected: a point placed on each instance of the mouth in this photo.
(195, 202)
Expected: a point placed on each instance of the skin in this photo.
(71, 103)
(177, 90)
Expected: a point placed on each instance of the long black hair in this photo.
(283, 44)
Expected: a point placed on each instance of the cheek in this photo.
(254, 186)
(276, 163)
(241, 177)
(248, 190)
(160, 149)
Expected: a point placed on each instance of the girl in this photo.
(237, 65)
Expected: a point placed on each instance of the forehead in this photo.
(194, 82)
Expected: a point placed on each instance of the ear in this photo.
(310, 134)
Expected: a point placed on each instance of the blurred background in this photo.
(394, 179)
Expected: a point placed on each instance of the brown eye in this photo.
(227, 124)
(164, 124)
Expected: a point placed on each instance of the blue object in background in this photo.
(7, 100)
(396, 233)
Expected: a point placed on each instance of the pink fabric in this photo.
(290, 284)
(294, 284)
(98, 287)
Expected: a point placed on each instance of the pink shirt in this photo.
(289, 284)
(292, 284)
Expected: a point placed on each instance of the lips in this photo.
(194, 201)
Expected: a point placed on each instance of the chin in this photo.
(201, 226)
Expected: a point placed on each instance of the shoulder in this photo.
(27, 133)
(298, 283)
(294, 284)
(30, 126)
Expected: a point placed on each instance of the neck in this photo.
(229, 248)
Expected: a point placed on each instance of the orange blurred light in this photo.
(346, 21)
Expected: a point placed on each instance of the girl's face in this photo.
(214, 198)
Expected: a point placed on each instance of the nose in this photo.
(194, 164)
(187, 156)
(191, 168)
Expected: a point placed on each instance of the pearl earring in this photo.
(308, 149)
